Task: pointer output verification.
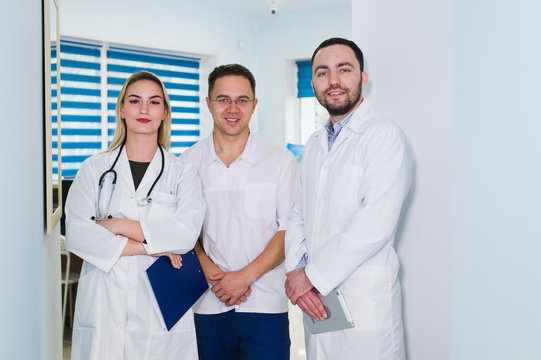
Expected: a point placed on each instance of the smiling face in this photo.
(337, 80)
(231, 104)
(143, 109)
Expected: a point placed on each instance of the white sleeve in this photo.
(88, 240)
(177, 231)
(295, 245)
(286, 190)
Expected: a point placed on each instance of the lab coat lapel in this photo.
(323, 138)
(360, 120)
(151, 174)
(122, 168)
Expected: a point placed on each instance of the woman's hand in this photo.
(176, 259)
(134, 247)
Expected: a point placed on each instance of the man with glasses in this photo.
(355, 175)
(249, 186)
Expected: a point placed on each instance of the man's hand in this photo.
(231, 287)
(311, 304)
(297, 284)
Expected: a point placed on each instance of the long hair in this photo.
(164, 132)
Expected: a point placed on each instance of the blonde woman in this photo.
(127, 206)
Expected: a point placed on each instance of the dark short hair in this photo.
(341, 41)
(230, 69)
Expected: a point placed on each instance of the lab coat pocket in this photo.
(92, 285)
(368, 295)
(179, 341)
(346, 183)
(260, 200)
(163, 205)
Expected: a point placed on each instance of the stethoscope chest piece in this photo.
(145, 201)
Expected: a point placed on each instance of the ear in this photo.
(364, 78)
(165, 112)
(122, 116)
(208, 102)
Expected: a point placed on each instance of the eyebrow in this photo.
(326, 67)
(227, 96)
(345, 64)
(139, 97)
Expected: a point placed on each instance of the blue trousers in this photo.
(247, 336)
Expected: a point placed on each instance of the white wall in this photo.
(30, 267)
(408, 52)
(184, 25)
(496, 288)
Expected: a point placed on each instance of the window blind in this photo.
(92, 76)
(304, 79)
(180, 76)
(80, 103)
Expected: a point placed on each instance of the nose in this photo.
(233, 106)
(144, 108)
(334, 78)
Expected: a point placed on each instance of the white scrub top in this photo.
(345, 219)
(247, 203)
(115, 316)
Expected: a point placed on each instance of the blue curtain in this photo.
(304, 79)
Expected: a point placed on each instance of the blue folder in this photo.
(176, 290)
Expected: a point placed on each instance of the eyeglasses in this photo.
(227, 102)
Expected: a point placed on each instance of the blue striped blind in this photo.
(81, 103)
(304, 79)
(91, 79)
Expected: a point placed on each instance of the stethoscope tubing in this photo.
(112, 171)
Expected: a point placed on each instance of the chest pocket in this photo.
(163, 205)
(346, 184)
(260, 200)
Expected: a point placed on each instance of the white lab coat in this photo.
(345, 219)
(115, 316)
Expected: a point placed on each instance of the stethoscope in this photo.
(144, 201)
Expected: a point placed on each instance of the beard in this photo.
(337, 109)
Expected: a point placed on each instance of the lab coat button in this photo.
(316, 233)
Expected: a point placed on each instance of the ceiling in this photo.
(261, 7)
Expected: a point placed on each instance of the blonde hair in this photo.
(164, 132)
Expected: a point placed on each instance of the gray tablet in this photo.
(338, 316)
